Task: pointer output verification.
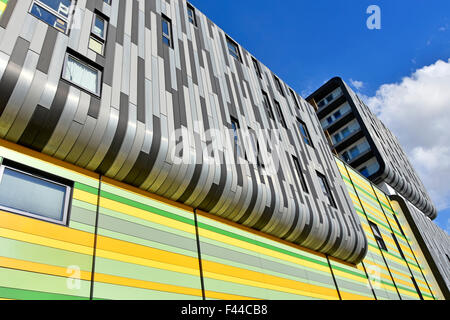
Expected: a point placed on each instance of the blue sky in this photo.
(308, 42)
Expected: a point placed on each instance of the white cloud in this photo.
(357, 84)
(417, 110)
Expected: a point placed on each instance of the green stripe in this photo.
(20, 294)
(86, 188)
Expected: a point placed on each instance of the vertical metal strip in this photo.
(334, 279)
(368, 280)
(199, 255)
(91, 295)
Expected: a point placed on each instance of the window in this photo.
(98, 34)
(107, 1)
(191, 14)
(267, 106)
(330, 120)
(233, 49)
(26, 192)
(166, 31)
(255, 144)
(304, 132)
(82, 74)
(294, 98)
(237, 144)
(326, 189)
(56, 13)
(257, 69)
(278, 85)
(300, 174)
(280, 114)
(365, 172)
(345, 156)
(378, 237)
(337, 114)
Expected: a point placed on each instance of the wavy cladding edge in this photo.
(148, 91)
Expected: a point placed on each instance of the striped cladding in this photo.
(147, 247)
(238, 261)
(390, 273)
(41, 260)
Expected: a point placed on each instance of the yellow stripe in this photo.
(40, 268)
(264, 280)
(146, 262)
(44, 229)
(259, 284)
(20, 236)
(352, 296)
(140, 251)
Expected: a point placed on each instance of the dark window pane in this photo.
(99, 27)
(50, 18)
(61, 7)
(165, 27)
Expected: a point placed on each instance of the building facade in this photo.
(359, 138)
(144, 154)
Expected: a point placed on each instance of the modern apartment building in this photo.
(360, 139)
(144, 154)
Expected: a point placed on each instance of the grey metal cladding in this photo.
(395, 168)
(149, 90)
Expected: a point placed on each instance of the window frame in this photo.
(328, 194)
(236, 46)
(52, 11)
(306, 139)
(67, 197)
(169, 36)
(256, 148)
(96, 37)
(300, 173)
(267, 105)
(278, 85)
(378, 236)
(194, 16)
(238, 148)
(257, 68)
(294, 98)
(91, 66)
(280, 114)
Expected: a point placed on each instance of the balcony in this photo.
(348, 140)
(339, 123)
(364, 156)
(328, 108)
